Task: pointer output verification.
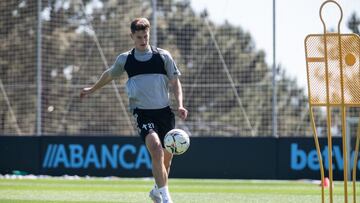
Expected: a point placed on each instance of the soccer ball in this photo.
(176, 141)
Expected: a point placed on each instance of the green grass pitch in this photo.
(182, 190)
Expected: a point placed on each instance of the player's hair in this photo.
(139, 24)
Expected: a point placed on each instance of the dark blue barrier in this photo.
(207, 157)
(241, 158)
(94, 156)
(19, 153)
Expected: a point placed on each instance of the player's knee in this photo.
(157, 153)
(154, 146)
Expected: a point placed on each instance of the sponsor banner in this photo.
(207, 157)
(298, 159)
(128, 157)
(95, 156)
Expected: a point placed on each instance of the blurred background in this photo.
(242, 64)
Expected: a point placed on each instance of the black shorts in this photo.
(159, 120)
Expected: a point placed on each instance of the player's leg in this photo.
(154, 193)
(165, 124)
(146, 127)
(152, 130)
(167, 160)
(154, 146)
(159, 171)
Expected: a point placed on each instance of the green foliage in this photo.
(68, 44)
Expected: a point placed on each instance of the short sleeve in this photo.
(117, 69)
(170, 65)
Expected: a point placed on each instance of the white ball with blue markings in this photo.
(176, 141)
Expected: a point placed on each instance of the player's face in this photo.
(141, 39)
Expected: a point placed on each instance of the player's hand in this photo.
(85, 91)
(182, 113)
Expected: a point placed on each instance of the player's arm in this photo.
(177, 89)
(104, 79)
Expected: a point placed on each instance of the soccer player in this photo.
(150, 71)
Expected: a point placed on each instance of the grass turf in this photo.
(129, 190)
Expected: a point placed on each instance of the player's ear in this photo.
(132, 36)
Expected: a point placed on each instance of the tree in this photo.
(227, 82)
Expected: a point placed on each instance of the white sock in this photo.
(156, 190)
(165, 194)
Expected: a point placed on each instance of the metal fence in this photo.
(50, 50)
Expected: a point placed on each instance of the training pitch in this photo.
(74, 189)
